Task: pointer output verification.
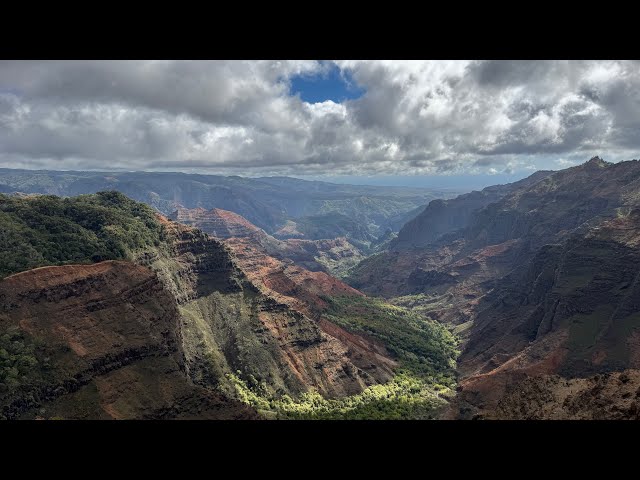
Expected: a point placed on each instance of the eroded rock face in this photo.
(611, 396)
(542, 209)
(543, 280)
(333, 255)
(216, 222)
(161, 337)
(573, 311)
(104, 341)
(249, 314)
(446, 216)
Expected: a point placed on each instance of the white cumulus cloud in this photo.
(415, 117)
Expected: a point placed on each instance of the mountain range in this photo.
(110, 310)
(540, 284)
(282, 206)
(225, 297)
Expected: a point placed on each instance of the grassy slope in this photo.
(424, 347)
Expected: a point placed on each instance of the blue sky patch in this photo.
(332, 84)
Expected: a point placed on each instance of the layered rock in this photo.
(334, 255)
(258, 320)
(182, 326)
(216, 222)
(542, 282)
(104, 342)
(445, 216)
(573, 311)
(503, 235)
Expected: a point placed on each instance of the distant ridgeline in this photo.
(284, 207)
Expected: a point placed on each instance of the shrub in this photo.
(48, 230)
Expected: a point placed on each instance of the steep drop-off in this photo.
(177, 325)
(462, 266)
(98, 341)
(212, 319)
(574, 311)
(334, 255)
(237, 323)
(542, 281)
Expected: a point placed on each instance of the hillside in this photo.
(445, 216)
(334, 256)
(505, 233)
(573, 311)
(97, 341)
(540, 282)
(48, 230)
(166, 308)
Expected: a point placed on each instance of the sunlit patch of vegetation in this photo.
(426, 352)
(405, 397)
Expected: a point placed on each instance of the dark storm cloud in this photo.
(490, 161)
(503, 73)
(414, 117)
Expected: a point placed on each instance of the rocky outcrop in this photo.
(296, 286)
(248, 314)
(445, 216)
(334, 255)
(611, 396)
(98, 341)
(216, 222)
(573, 311)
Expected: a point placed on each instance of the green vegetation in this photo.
(424, 347)
(17, 360)
(422, 304)
(405, 397)
(332, 225)
(375, 265)
(374, 213)
(338, 268)
(462, 328)
(48, 230)
(425, 350)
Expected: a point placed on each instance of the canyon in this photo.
(519, 301)
(540, 283)
(178, 313)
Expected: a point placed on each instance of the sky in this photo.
(399, 122)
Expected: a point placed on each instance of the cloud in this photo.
(415, 117)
